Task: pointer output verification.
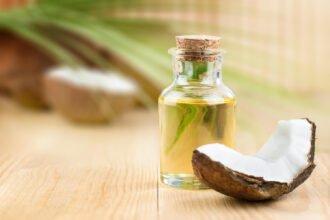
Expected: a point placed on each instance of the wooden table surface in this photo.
(53, 169)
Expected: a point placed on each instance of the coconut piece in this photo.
(22, 66)
(88, 95)
(282, 164)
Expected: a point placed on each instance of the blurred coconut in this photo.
(88, 95)
(21, 68)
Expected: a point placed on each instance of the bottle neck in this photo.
(198, 73)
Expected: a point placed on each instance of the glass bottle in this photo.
(196, 109)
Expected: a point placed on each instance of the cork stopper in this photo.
(199, 48)
(197, 42)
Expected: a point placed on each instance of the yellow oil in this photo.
(186, 124)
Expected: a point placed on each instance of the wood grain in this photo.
(58, 170)
(54, 169)
(309, 201)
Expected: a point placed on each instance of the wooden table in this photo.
(54, 169)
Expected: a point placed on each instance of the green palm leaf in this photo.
(87, 19)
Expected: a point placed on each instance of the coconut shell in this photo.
(21, 68)
(241, 186)
(84, 104)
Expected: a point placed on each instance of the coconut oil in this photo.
(196, 109)
(187, 124)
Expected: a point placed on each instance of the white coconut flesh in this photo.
(281, 159)
(94, 79)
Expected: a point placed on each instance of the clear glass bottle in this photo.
(196, 109)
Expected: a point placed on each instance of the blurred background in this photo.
(276, 62)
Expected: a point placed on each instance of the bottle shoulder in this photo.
(206, 93)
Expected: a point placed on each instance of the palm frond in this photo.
(81, 17)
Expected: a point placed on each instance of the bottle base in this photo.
(182, 181)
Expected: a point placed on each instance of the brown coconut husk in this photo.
(83, 104)
(241, 186)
